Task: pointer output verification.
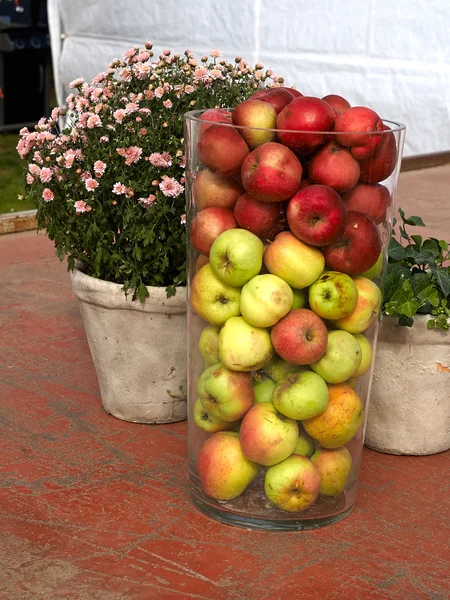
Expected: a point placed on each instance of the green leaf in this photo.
(417, 221)
(406, 321)
(431, 324)
(421, 258)
(403, 301)
(396, 250)
(443, 244)
(431, 246)
(443, 279)
(418, 241)
(142, 292)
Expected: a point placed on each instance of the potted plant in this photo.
(109, 191)
(410, 408)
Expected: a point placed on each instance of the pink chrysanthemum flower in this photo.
(170, 187)
(118, 188)
(159, 92)
(131, 154)
(216, 74)
(183, 219)
(129, 193)
(189, 89)
(215, 53)
(201, 74)
(81, 207)
(30, 179)
(131, 107)
(149, 94)
(48, 195)
(142, 70)
(160, 160)
(119, 115)
(104, 139)
(85, 175)
(99, 78)
(34, 169)
(37, 158)
(167, 104)
(45, 175)
(130, 53)
(76, 82)
(147, 202)
(94, 121)
(91, 184)
(99, 167)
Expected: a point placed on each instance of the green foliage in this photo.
(418, 277)
(109, 188)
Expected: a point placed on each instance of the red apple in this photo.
(257, 121)
(222, 149)
(357, 127)
(359, 247)
(316, 215)
(382, 163)
(333, 165)
(271, 173)
(370, 199)
(278, 98)
(300, 337)
(264, 219)
(337, 102)
(214, 115)
(213, 189)
(293, 91)
(303, 115)
(207, 225)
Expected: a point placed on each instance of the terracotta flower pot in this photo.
(139, 350)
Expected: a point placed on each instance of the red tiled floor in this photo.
(93, 508)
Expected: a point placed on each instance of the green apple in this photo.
(208, 344)
(334, 467)
(236, 256)
(351, 382)
(333, 295)
(263, 388)
(341, 359)
(366, 310)
(244, 347)
(367, 354)
(212, 299)
(374, 271)
(225, 394)
(306, 446)
(277, 368)
(292, 485)
(301, 395)
(300, 298)
(267, 436)
(341, 419)
(265, 299)
(223, 470)
(208, 422)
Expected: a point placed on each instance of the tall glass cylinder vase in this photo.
(288, 237)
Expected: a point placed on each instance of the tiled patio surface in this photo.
(93, 508)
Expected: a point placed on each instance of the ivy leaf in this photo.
(406, 321)
(418, 241)
(403, 301)
(396, 250)
(443, 244)
(431, 324)
(416, 221)
(443, 279)
(432, 246)
(142, 292)
(421, 258)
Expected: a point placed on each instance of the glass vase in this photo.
(287, 245)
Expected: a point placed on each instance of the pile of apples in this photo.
(287, 231)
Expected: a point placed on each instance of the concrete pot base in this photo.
(139, 350)
(409, 411)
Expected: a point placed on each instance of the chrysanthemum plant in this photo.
(109, 187)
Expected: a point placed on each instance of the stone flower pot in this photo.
(139, 350)
(409, 411)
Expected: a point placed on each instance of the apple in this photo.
(366, 309)
(222, 149)
(271, 173)
(334, 165)
(375, 271)
(236, 256)
(359, 247)
(337, 102)
(373, 200)
(257, 121)
(300, 298)
(208, 422)
(263, 387)
(213, 189)
(214, 115)
(265, 299)
(334, 467)
(382, 163)
(333, 296)
(367, 354)
(342, 358)
(300, 337)
(278, 98)
(305, 446)
(301, 395)
(223, 470)
(340, 421)
(263, 219)
(292, 485)
(294, 261)
(267, 437)
(208, 344)
(316, 215)
(277, 368)
(201, 261)
(225, 394)
(292, 90)
(244, 347)
(212, 299)
(351, 382)
(300, 118)
(207, 225)
(358, 128)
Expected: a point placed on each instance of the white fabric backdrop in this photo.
(393, 55)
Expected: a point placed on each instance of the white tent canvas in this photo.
(391, 56)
